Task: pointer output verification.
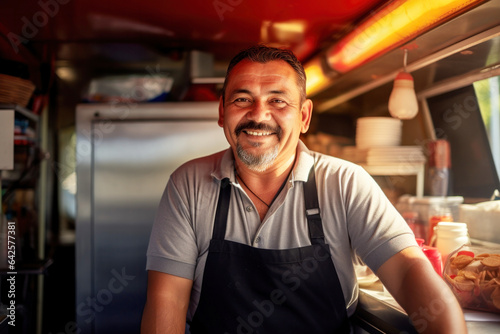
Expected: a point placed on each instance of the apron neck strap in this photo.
(312, 210)
(219, 231)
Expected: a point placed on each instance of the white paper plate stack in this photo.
(378, 131)
(384, 155)
(395, 155)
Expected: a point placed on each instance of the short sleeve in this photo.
(172, 246)
(376, 229)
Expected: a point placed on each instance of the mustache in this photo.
(252, 125)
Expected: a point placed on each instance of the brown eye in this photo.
(279, 103)
(242, 102)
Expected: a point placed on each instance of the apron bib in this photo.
(252, 290)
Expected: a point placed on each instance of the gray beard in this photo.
(258, 163)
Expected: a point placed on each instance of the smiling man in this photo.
(263, 113)
(261, 238)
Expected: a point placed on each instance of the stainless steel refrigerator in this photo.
(125, 154)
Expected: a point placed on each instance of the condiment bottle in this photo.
(434, 257)
(439, 165)
(439, 213)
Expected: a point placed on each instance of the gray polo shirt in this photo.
(357, 218)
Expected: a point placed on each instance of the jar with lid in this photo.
(448, 236)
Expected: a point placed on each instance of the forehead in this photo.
(272, 72)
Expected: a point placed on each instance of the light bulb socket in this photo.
(404, 76)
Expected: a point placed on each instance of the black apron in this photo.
(252, 290)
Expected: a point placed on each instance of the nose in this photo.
(259, 112)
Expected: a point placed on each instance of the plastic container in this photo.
(424, 206)
(473, 275)
(413, 221)
(482, 220)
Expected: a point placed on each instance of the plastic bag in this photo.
(473, 274)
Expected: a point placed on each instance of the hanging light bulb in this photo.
(403, 101)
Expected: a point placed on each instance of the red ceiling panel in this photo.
(217, 26)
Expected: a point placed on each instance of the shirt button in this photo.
(257, 240)
(249, 208)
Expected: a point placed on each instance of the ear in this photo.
(306, 114)
(221, 113)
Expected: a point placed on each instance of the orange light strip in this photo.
(395, 24)
(316, 78)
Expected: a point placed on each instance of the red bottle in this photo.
(434, 257)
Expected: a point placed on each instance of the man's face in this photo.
(262, 114)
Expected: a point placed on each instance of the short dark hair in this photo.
(264, 54)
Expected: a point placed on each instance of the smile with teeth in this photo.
(254, 133)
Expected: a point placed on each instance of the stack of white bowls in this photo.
(378, 131)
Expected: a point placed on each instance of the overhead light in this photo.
(317, 79)
(66, 73)
(289, 31)
(395, 24)
(403, 102)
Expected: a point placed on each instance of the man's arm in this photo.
(166, 305)
(429, 302)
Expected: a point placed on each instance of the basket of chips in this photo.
(473, 274)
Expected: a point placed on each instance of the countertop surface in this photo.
(378, 312)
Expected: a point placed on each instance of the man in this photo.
(260, 238)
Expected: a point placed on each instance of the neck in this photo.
(263, 187)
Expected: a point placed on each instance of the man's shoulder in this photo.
(334, 164)
(324, 164)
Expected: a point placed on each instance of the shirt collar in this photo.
(305, 161)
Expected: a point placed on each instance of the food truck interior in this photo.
(100, 100)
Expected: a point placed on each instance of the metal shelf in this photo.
(22, 111)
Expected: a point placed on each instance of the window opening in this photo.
(488, 97)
